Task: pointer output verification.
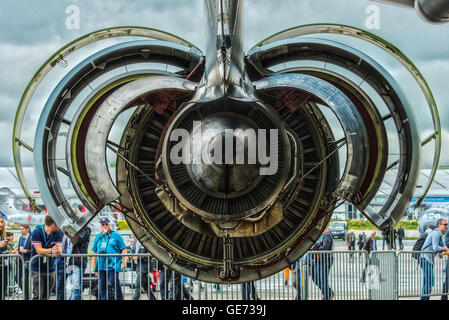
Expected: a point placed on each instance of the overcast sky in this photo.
(31, 31)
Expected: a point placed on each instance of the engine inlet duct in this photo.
(433, 11)
(229, 167)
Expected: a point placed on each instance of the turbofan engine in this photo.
(228, 169)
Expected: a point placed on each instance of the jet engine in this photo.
(229, 167)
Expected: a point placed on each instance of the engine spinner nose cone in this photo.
(228, 166)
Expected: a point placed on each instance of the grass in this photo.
(352, 225)
(366, 225)
(123, 225)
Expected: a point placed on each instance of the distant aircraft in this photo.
(10, 213)
(430, 217)
(9, 201)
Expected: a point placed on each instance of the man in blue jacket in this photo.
(46, 242)
(322, 263)
(109, 242)
(433, 244)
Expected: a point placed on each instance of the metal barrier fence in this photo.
(417, 277)
(383, 275)
(12, 277)
(337, 275)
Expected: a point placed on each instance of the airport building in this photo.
(438, 195)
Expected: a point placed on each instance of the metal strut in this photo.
(136, 168)
(228, 272)
(322, 161)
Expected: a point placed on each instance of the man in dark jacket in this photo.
(24, 249)
(132, 248)
(322, 263)
(77, 265)
(361, 242)
(401, 235)
(370, 245)
(395, 236)
(248, 290)
(350, 241)
(143, 273)
(384, 239)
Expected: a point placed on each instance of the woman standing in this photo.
(3, 267)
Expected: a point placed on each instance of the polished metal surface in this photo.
(224, 70)
(411, 68)
(333, 52)
(74, 130)
(225, 180)
(224, 183)
(53, 61)
(355, 132)
(103, 120)
(433, 11)
(51, 119)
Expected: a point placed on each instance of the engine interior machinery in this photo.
(226, 221)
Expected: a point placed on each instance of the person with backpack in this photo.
(432, 244)
(419, 243)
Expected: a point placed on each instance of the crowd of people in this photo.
(319, 265)
(62, 263)
(397, 243)
(429, 245)
(53, 272)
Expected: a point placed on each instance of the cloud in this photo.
(45, 20)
